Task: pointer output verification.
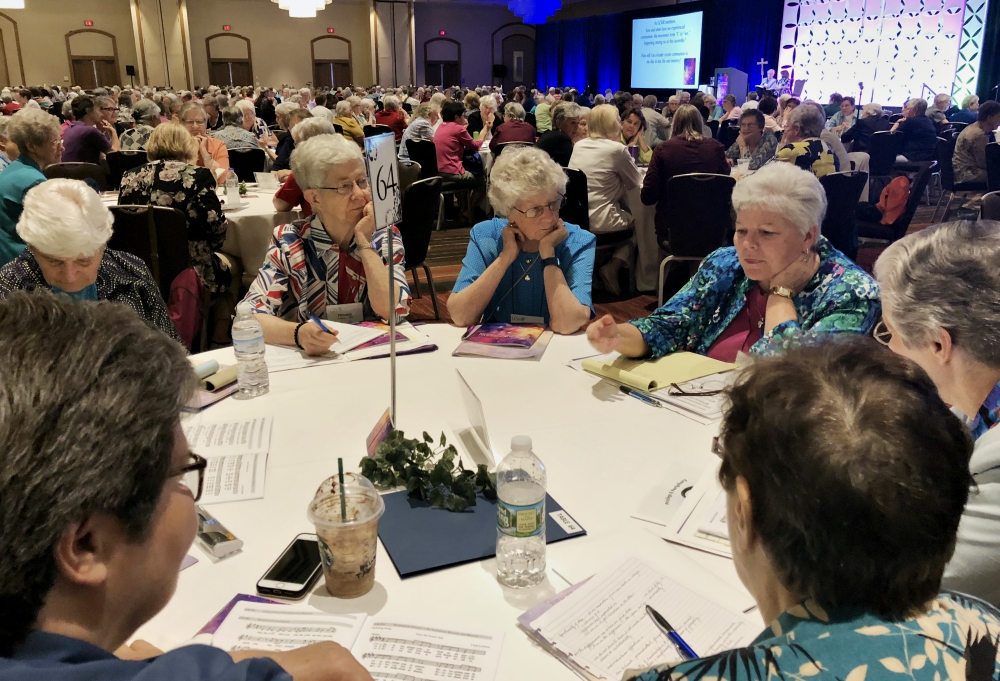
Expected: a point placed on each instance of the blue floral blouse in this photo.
(840, 298)
(954, 640)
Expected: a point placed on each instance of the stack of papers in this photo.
(349, 336)
(237, 457)
(652, 375)
(387, 647)
(409, 341)
(700, 522)
(504, 341)
(599, 628)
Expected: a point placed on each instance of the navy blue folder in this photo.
(420, 538)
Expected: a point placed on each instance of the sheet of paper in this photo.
(700, 522)
(234, 477)
(398, 650)
(604, 627)
(660, 503)
(284, 358)
(266, 626)
(350, 336)
(220, 438)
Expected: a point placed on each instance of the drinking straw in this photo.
(343, 499)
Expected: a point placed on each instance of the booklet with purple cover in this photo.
(504, 335)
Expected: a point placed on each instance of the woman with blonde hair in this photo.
(610, 174)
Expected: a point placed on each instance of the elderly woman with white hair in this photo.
(331, 265)
(421, 127)
(367, 109)
(801, 143)
(558, 142)
(969, 113)
(941, 309)
(290, 195)
(251, 123)
(782, 283)
(513, 129)
(345, 119)
(146, 115)
(393, 116)
(232, 133)
(919, 135)
(530, 268)
(66, 228)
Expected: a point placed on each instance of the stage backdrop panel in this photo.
(894, 47)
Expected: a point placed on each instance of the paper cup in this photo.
(347, 547)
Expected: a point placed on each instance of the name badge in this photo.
(348, 313)
(526, 319)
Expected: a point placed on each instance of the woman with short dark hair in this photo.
(845, 477)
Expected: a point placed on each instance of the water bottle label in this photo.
(521, 521)
(250, 345)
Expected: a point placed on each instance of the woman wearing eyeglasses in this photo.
(941, 309)
(530, 268)
(332, 264)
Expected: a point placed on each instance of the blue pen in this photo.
(318, 323)
(645, 399)
(663, 625)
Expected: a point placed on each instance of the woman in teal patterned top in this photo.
(780, 285)
(845, 477)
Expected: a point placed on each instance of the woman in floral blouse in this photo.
(781, 284)
(845, 476)
(173, 180)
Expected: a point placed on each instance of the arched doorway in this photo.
(443, 62)
(93, 58)
(332, 60)
(10, 49)
(229, 59)
(513, 45)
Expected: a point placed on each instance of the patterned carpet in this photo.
(448, 247)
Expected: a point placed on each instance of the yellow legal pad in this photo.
(650, 375)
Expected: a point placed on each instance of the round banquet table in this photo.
(602, 451)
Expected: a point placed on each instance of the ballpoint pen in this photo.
(663, 625)
(645, 399)
(318, 323)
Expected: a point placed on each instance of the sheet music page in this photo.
(239, 436)
(236, 477)
(397, 650)
(604, 627)
(279, 627)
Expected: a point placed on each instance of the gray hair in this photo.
(871, 110)
(145, 111)
(515, 111)
(918, 105)
(674, 99)
(367, 103)
(65, 219)
(343, 109)
(390, 102)
(809, 120)
(784, 189)
(945, 277)
(32, 126)
(969, 101)
(522, 172)
(563, 111)
(314, 158)
(311, 127)
(649, 101)
(286, 108)
(489, 101)
(232, 116)
(245, 106)
(92, 396)
(67, 108)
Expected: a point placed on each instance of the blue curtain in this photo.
(737, 34)
(580, 53)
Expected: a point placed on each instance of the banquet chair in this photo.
(843, 192)
(338, 128)
(409, 172)
(945, 152)
(993, 166)
(714, 127)
(991, 207)
(415, 229)
(700, 216)
(79, 171)
(157, 235)
(728, 134)
(246, 162)
(877, 232)
(529, 118)
(119, 162)
(576, 210)
(505, 145)
(425, 153)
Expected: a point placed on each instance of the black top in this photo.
(919, 138)
(284, 152)
(557, 145)
(862, 132)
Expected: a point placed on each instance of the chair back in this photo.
(991, 206)
(408, 108)
(529, 118)
(895, 117)
(993, 166)
(883, 147)
(917, 187)
(425, 153)
(956, 127)
(155, 234)
(714, 127)
(945, 150)
(373, 130)
(728, 134)
(505, 145)
(78, 171)
(409, 172)
(797, 87)
(119, 162)
(843, 192)
(699, 208)
(246, 162)
(338, 128)
(420, 206)
(576, 210)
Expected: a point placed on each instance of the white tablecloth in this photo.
(648, 248)
(602, 451)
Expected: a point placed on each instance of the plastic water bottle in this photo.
(521, 516)
(248, 344)
(233, 188)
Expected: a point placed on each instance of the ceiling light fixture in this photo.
(534, 11)
(11, 4)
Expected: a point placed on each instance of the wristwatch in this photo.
(782, 291)
(362, 243)
(550, 261)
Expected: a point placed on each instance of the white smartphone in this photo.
(295, 571)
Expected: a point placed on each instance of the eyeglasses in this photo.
(882, 334)
(193, 475)
(348, 187)
(537, 211)
(675, 389)
(108, 108)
